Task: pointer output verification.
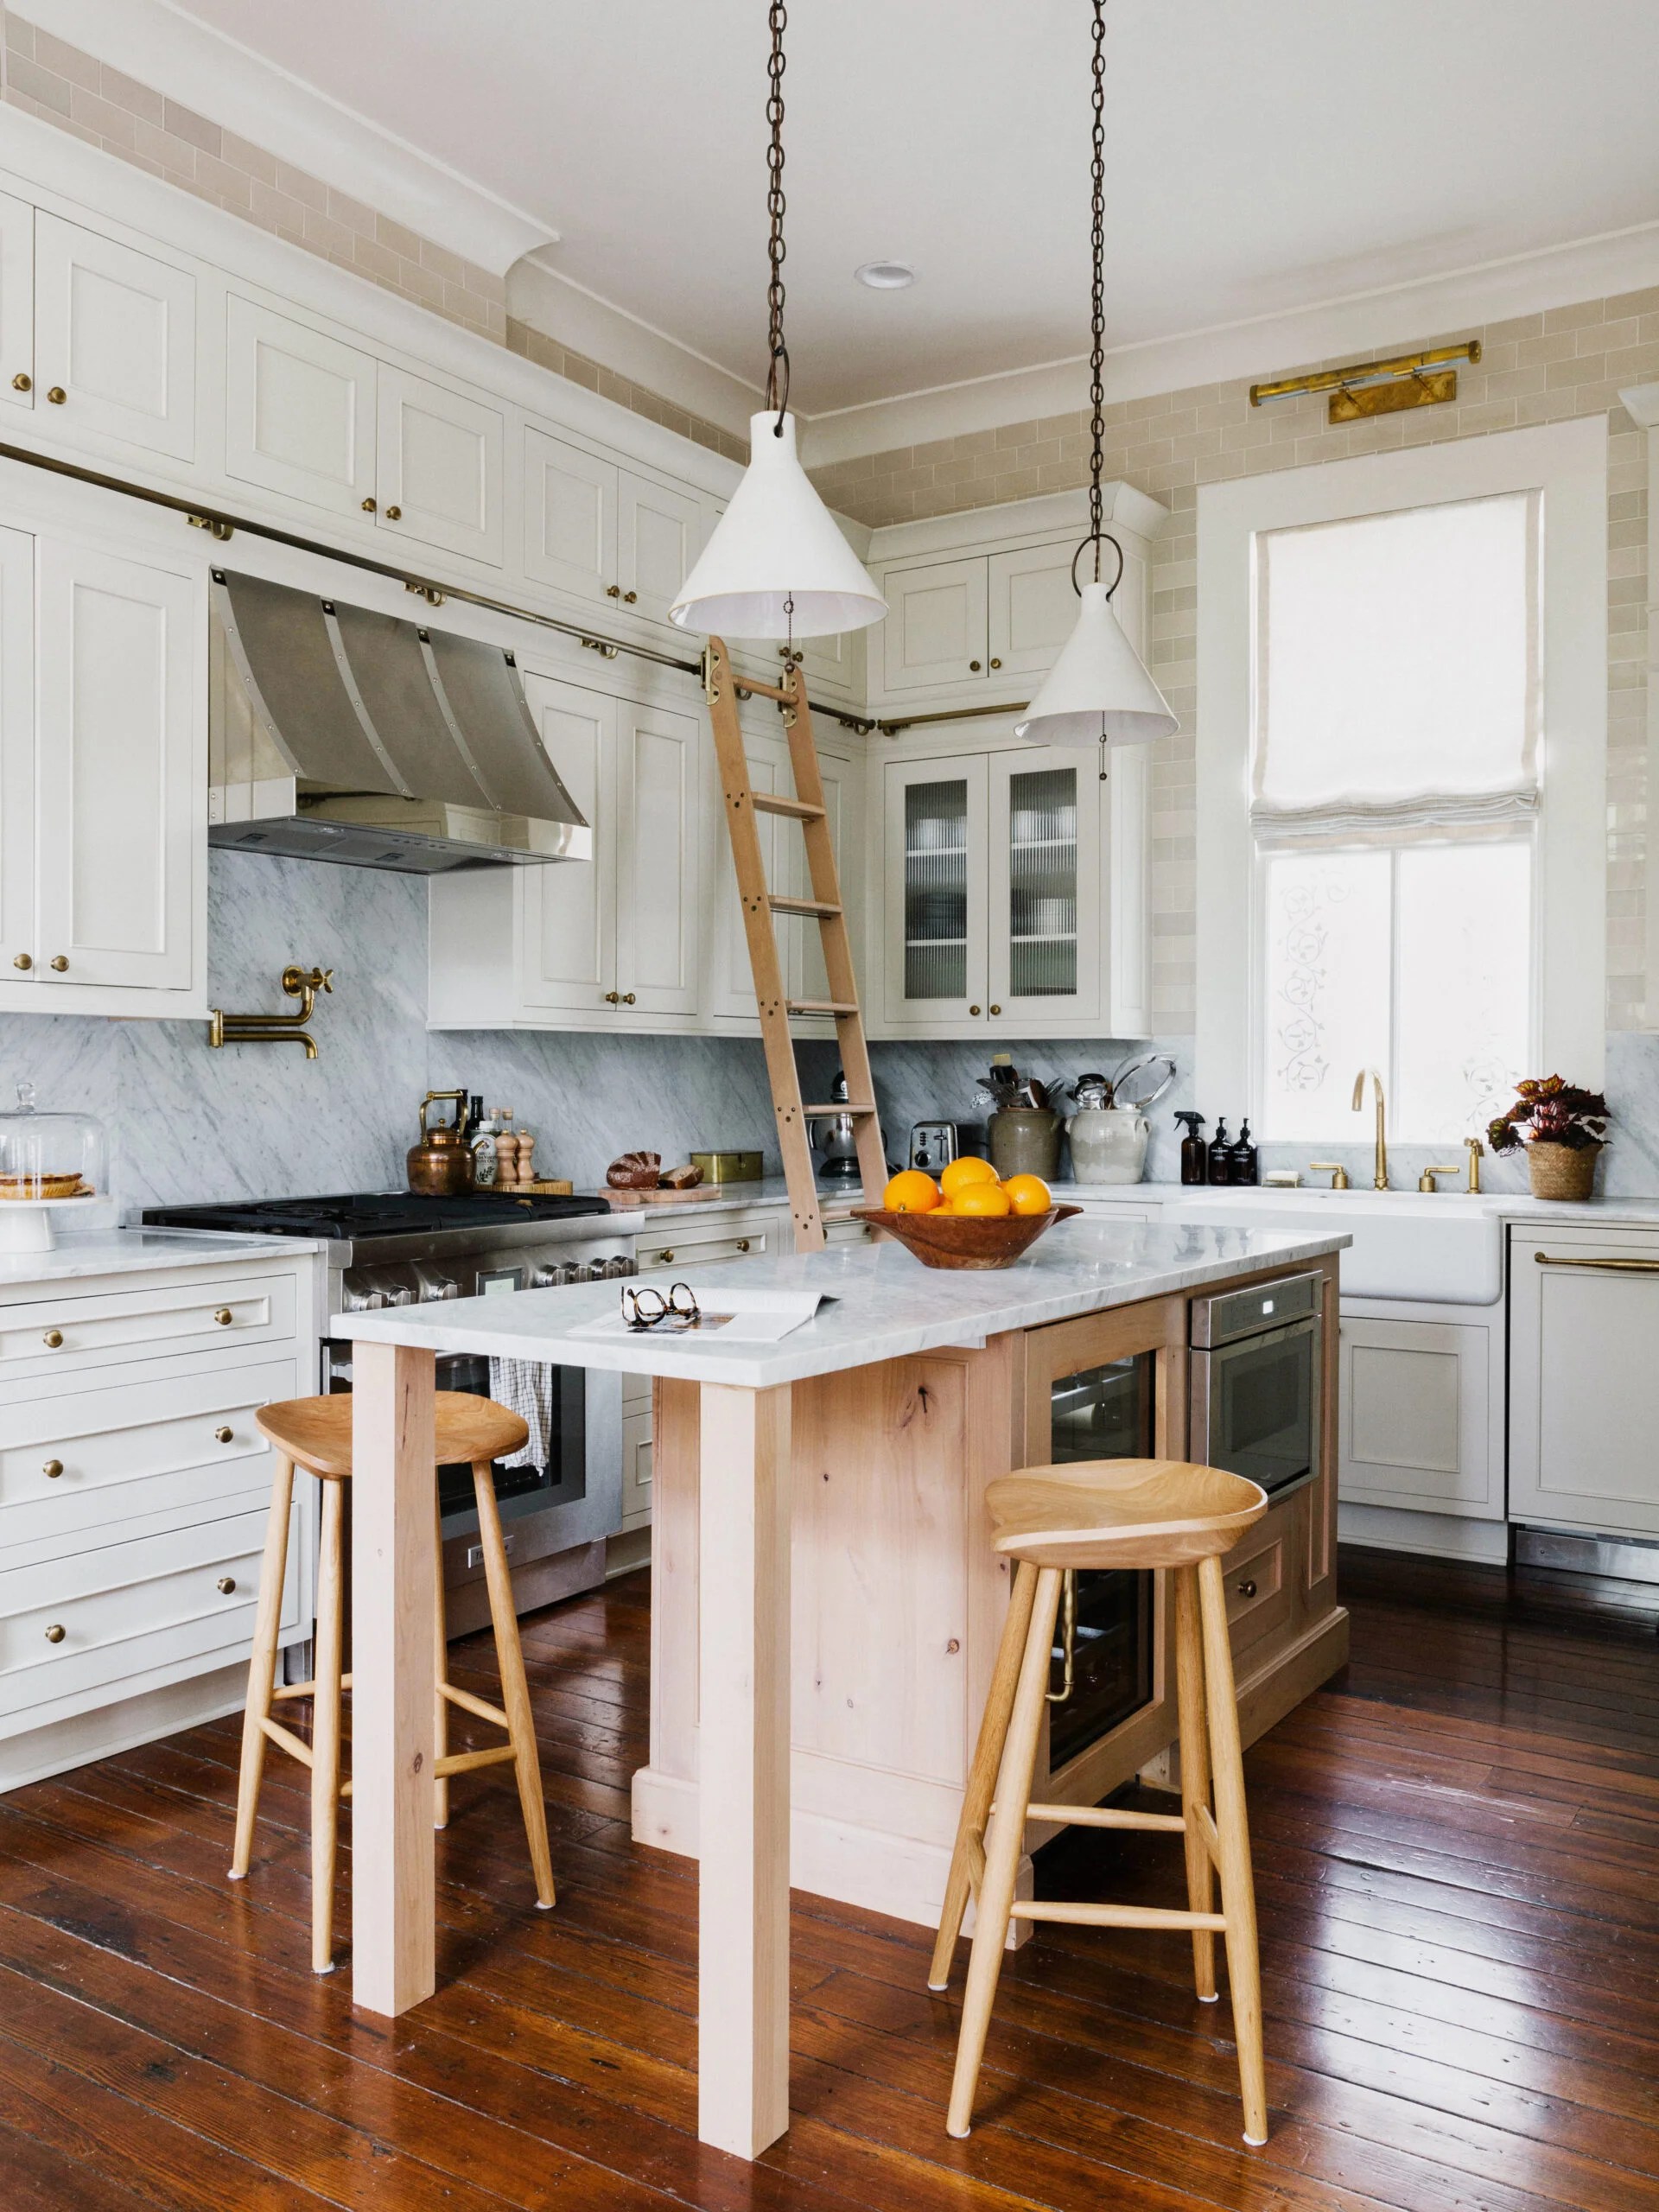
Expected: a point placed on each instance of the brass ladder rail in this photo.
(743, 805)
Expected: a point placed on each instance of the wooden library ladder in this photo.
(760, 903)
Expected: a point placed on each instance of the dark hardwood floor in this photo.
(1457, 1851)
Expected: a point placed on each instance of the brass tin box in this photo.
(728, 1166)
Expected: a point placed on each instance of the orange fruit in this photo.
(982, 1199)
(959, 1174)
(910, 1191)
(1028, 1194)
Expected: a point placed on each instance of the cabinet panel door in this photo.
(658, 533)
(570, 517)
(802, 940)
(439, 466)
(935, 903)
(934, 629)
(299, 410)
(16, 301)
(115, 331)
(17, 939)
(568, 911)
(1416, 1423)
(659, 825)
(1045, 851)
(729, 990)
(121, 801)
(1584, 1386)
(1032, 609)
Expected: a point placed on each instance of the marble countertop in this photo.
(880, 1303)
(135, 1251)
(1509, 1206)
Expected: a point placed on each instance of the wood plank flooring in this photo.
(1457, 1864)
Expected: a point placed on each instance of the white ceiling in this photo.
(1262, 159)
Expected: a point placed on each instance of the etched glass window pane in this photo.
(1327, 916)
(1464, 922)
(1043, 883)
(936, 890)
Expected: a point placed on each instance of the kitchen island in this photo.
(852, 1407)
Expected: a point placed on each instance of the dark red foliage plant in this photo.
(1550, 1110)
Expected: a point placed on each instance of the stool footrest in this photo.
(1115, 1916)
(1204, 1821)
(1107, 1816)
(468, 1703)
(464, 1761)
(303, 1689)
(290, 1742)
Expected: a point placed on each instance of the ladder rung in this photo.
(818, 907)
(797, 809)
(825, 1113)
(763, 690)
(822, 1006)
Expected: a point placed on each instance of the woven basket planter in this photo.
(1556, 1171)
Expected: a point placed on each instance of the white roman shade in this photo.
(1397, 675)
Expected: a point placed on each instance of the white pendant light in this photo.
(777, 566)
(1098, 692)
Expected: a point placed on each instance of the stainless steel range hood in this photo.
(338, 733)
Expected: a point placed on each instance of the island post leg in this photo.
(743, 1777)
(394, 1582)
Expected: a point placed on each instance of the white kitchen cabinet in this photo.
(935, 945)
(19, 938)
(17, 302)
(659, 536)
(118, 798)
(115, 340)
(1584, 1384)
(299, 410)
(1422, 1413)
(438, 466)
(636, 1468)
(604, 532)
(567, 954)
(659, 825)
(935, 631)
(1032, 609)
(1046, 943)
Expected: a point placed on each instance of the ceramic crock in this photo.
(1024, 1140)
(1109, 1144)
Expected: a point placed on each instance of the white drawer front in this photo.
(125, 1608)
(702, 1250)
(70, 1465)
(41, 1338)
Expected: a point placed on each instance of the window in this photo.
(1394, 796)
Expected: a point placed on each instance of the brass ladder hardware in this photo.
(215, 525)
(759, 904)
(302, 983)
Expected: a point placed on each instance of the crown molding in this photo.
(1276, 344)
(1132, 511)
(228, 84)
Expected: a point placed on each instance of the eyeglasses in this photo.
(649, 1309)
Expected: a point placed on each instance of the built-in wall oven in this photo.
(1255, 1379)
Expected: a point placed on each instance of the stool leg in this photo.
(261, 1668)
(1195, 1770)
(440, 1675)
(1003, 1844)
(1232, 1824)
(982, 1775)
(515, 1690)
(325, 1731)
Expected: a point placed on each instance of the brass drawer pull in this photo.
(742, 1244)
(59, 963)
(56, 1633)
(629, 597)
(1612, 1266)
(368, 506)
(1247, 1589)
(23, 961)
(51, 1470)
(53, 1339)
(224, 1436)
(974, 1010)
(224, 1317)
(627, 998)
(226, 1584)
(666, 1257)
(57, 395)
(613, 591)
(973, 667)
(613, 998)
(995, 663)
(394, 514)
(23, 381)
(996, 1009)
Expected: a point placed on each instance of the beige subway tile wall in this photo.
(1569, 361)
(46, 77)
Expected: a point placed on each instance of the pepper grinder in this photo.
(526, 1147)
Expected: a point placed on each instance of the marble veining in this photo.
(132, 1251)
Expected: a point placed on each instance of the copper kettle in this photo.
(440, 1165)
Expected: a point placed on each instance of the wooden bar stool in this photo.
(316, 1433)
(1128, 1514)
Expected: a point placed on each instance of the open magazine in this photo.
(725, 1315)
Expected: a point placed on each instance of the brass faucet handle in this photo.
(1338, 1173)
(1475, 1150)
(296, 980)
(1426, 1180)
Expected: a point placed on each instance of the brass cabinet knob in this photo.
(56, 1633)
(974, 665)
(994, 662)
(613, 998)
(57, 395)
(742, 1244)
(51, 1470)
(394, 514)
(226, 1584)
(667, 1259)
(224, 1317)
(974, 1010)
(24, 961)
(613, 591)
(368, 506)
(629, 597)
(61, 963)
(23, 381)
(53, 1339)
(1247, 1589)
(224, 1436)
(996, 1009)
(627, 998)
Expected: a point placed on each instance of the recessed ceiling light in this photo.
(886, 276)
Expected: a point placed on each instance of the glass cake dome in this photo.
(48, 1162)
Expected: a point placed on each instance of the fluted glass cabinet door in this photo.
(935, 916)
(1045, 806)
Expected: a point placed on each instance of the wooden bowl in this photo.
(965, 1240)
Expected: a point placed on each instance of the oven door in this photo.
(1255, 1406)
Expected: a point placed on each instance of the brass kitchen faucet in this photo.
(1379, 1180)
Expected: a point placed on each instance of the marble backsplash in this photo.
(260, 1121)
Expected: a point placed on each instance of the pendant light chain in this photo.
(1098, 298)
(777, 387)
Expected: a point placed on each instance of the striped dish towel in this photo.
(525, 1386)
